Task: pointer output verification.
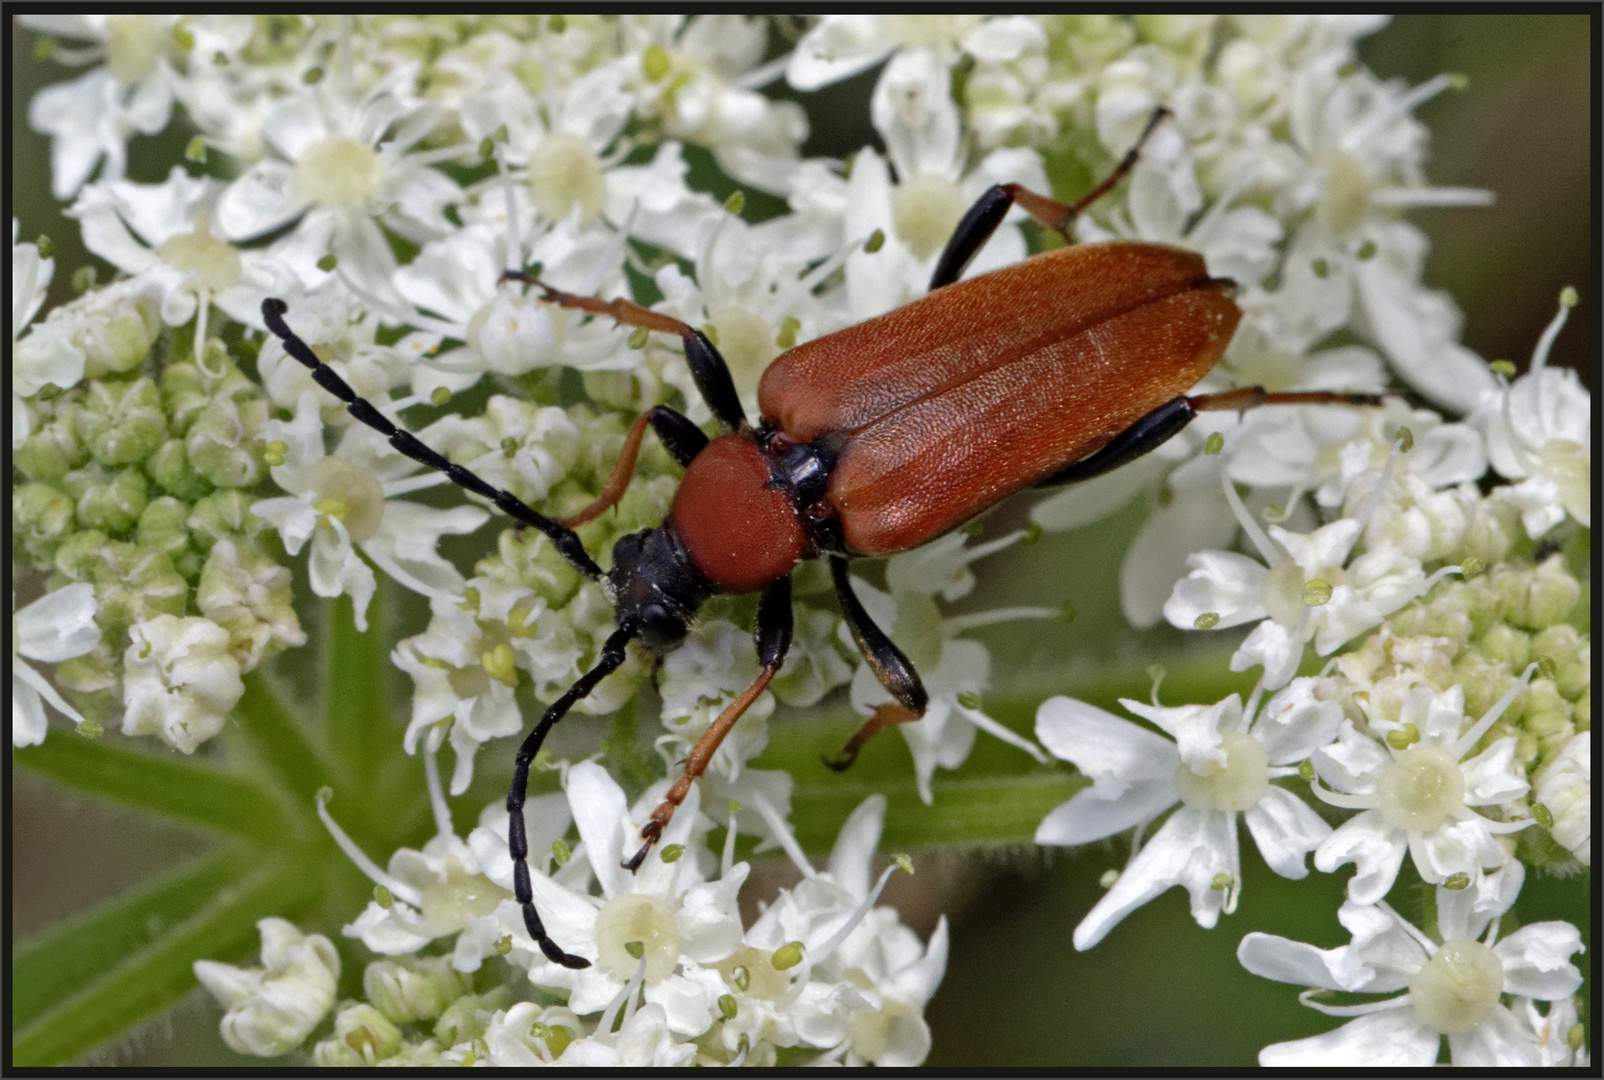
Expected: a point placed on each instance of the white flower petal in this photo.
(1189, 849)
(1374, 847)
(1537, 960)
(1221, 583)
(1112, 751)
(599, 810)
(1271, 956)
(1089, 815)
(1499, 1041)
(1389, 1039)
(1286, 830)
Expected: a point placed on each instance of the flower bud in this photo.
(122, 422)
(249, 595)
(224, 515)
(42, 517)
(170, 467)
(466, 1018)
(115, 328)
(162, 527)
(53, 448)
(225, 442)
(273, 1008)
(1548, 596)
(362, 1036)
(110, 500)
(413, 988)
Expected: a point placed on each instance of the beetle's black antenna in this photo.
(567, 543)
(612, 655)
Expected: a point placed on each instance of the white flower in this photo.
(93, 116)
(679, 920)
(914, 113)
(46, 357)
(273, 1008)
(340, 161)
(1416, 791)
(442, 889)
(55, 627)
(164, 231)
(1565, 786)
(180, 680)
(463, 668)
(1454, 986)
(1309, 588)
(344, 500)
(1539, 431)
(955, 671)
(1220, 764)
(860, 979)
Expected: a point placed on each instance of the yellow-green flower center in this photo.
(565, 172)
(924, 210)
(339, 171)
(1238, 784)
(1456, 989)
(215, 264)
(358, 492)
(133, 45)
(647, 924)
(1421, 789)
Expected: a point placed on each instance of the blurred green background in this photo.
(1158, 991)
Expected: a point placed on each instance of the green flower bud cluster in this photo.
(1481, 635)
(136, 480)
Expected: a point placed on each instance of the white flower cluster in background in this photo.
(381, 174)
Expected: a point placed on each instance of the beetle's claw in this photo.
(843, 761)
(650, 835)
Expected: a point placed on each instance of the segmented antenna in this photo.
(613, 653)
(566, 541)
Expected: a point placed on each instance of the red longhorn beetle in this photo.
(874, 440)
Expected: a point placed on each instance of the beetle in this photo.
(873, 440)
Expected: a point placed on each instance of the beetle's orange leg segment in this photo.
(773, 636)
(683, 439)
(708, 368)
(884, 716)
(625, 312)
(982, 219)
(695, 764)
(1249, 397)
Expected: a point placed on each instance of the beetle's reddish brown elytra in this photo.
(873, 440)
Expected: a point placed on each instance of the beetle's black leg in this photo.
(712, 375)
(892, 668)
(1158, 426)
(613, 655)
(683, 439)
(982, 219)
(567, 543)
(773, 636)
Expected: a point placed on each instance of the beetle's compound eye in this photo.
(660, 628)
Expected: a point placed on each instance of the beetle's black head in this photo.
(655, 586)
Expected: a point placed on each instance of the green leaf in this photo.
(186, 790)
(120, 991)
